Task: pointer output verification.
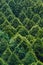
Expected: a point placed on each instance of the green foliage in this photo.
(6, 55)
(36, 18)
(22, 16)
(30, 58)
(40, 33)
(38, 48)
(7, 13)
(30, 24)
(8, 29)
(14, 42)
(16, 8)
(41, 23)
(1, 19)
(21, 32)
(4, 8)
(41, 14)
(10, 18)
(21, 50)
(37, 8)
(30, 38)
(29, 13)
(3, 42)
(13, 60)
(34, 30)
(2, 62)
(39, 63)
(16, 23)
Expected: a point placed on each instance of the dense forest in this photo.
(21, 32)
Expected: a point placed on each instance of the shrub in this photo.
(30, 38)
(41, 14)
(22, 16)
(14, 42)
(26, 20)
(7, 13)
(30, 58)
(30, 24)
(36, 18)
(10, 18)
(3, 42)
(21, 50)
(37, 8)
(15, 23)
(8, 29)
(2, 62)
(29, 13)
(40, 33)
(2, 20)
(39, 63)
(38, 49)
(23, 31)
(16, 8)
(34, 30)
(41, 23)
(13, 60)
(6, 54)
(4, 8)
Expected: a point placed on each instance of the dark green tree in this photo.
(3, 42)
(34, 30)
(38, 49)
